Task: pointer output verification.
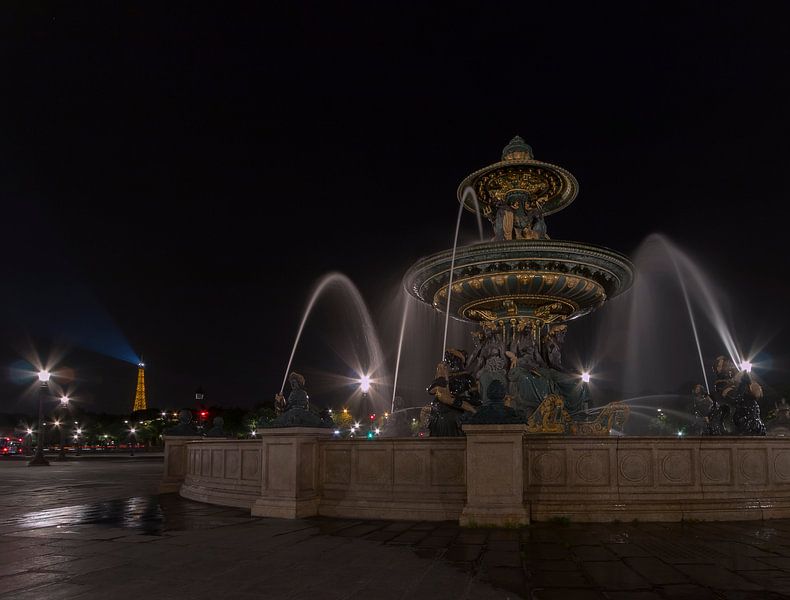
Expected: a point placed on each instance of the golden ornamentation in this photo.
(540, 183)
(612, 416)
(550, 416)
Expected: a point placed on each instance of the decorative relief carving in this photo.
(716, 466)
(592, 467)
(782, 465)
(635, 467)
(548, 467)
(675, 467)
(753, 466)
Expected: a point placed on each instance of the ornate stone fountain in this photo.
(521, 287)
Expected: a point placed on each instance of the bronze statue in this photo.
(552, 346)
(296, 411)
(454, 392)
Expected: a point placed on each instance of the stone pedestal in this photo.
(175, 462)
(495, 475)
(289, 472)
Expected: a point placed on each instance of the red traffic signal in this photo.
(373, 416)
(203, 414)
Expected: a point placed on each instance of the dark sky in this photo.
(174, 178)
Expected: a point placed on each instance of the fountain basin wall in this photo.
(496, 475)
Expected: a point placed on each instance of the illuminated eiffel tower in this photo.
(140, 402)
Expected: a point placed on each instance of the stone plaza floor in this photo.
(95, 528)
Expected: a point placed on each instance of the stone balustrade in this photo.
(496, 475)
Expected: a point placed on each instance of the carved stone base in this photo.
(495, 475)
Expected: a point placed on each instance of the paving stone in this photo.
(506, 546)
(655, 571)
(592, 553)
(716, 577)
(408, 537)
(25, 581)
(687, 592)
(551, 565)
(463, 552)
(632, 595)
(506, 578)
(614, 575)
(500, 558)
(565, 594)
(546, 551)
(472, 537)
(564, 579)
(627, 549)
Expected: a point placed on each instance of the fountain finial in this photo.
(517, 149)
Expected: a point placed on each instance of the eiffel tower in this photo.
(139, 395)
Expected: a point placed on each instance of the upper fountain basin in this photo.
(546, 280)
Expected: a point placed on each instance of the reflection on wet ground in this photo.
(151, 515)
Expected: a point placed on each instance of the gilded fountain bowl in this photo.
(550, 281)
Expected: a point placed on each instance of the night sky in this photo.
(174, 179)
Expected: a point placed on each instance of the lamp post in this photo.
(77, 435)
(64, 405)
(43, 389)
(132, 432)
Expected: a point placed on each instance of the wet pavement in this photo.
(166, 547)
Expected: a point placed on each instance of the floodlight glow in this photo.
(132, 430)
(364, 384)
(746, 366)
(64, 400)
(56, 423)
(29, 431)
(43, 376)
(586, 377)
(79, 432)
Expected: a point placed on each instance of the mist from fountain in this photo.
(341, 282)
(645, 336)
(404, 317)
(468, 193)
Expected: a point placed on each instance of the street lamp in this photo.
(132, 431)
(43, 389)
(64, 405)
(77, 435)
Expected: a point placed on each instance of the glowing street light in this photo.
(746, 366)
(43, 389)
(64, 401)
(364, 384)
(586, 377)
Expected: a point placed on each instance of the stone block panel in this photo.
(635, 467)
(410, 467)
(337, 466)
(590, 467)
(448, 467)
(781, 466)
(675, 467)
(373, 465)
(251, 464)
(546, 467)
(716, 466)
(751, 466)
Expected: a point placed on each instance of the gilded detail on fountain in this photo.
(522, 287)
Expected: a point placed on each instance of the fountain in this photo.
(521, 288)
(509, 436)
